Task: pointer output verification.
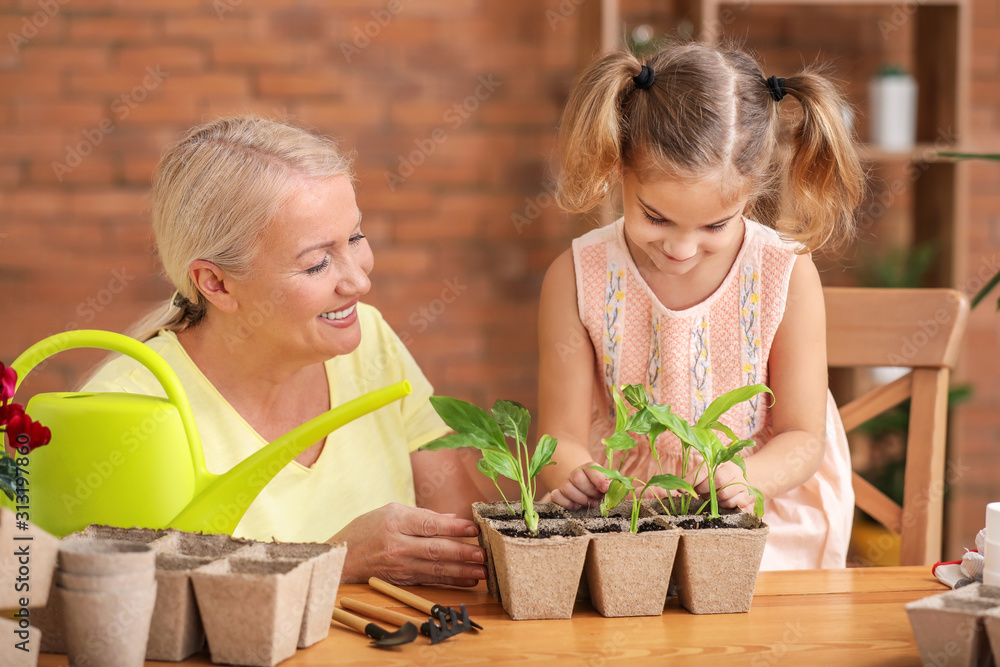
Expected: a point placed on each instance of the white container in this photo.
(993, 522)
(991, 556)
(892, 99)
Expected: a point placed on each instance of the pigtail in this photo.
(591, 129)
(825, 180)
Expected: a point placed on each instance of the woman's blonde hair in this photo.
(214, 193)
(710, 112)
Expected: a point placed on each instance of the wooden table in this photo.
(817, 617)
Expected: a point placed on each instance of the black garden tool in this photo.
(438, 630)
(382, 637)
(444, 614)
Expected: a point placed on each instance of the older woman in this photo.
(258, 229)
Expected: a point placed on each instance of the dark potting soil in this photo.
(691, 524)
(507, 516)
(608, 529)
(543, 532)
(650, 527)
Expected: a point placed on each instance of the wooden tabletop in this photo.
(816, 617)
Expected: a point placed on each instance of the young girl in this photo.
(705, 283)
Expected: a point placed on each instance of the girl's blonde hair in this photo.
(214, 193)
(710, 113)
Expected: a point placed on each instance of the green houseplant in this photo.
(714, 570)
(533, 571)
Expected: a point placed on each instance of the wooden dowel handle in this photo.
(405, 597)
(382, 614)
(350, 620)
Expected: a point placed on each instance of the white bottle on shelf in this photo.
(892, 98)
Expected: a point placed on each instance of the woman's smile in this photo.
(342, 318)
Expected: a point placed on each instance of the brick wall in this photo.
(451, 106)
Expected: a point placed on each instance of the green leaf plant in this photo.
(488, 432)
(652, 419)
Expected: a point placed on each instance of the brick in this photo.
(337, 115)
(92, 170)
(10, 175)
(182, 111)
(326, 83)
(173, 59)
(25, 143)
(38, 202)
(207, 85)
(208, 28)
(31, 28)
(254, 53)
(28, 86)
(107, 203)
(62, 114)
(112, 29)
(44, 59)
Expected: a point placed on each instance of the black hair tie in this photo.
(776, 87)
(645, 78)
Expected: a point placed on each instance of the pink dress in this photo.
(686, 358)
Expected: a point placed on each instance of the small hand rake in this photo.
(382, 637)
(447, 616)
(438, 631)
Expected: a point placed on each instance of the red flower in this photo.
(22, 431)
(8, 381)
(7, 412)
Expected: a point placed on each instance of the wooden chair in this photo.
(917, 328)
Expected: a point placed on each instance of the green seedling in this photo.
(668, 482)
(488, 432)
(700, 437)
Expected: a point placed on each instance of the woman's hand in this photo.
(583, 488)
(406, 545)
(735, 495)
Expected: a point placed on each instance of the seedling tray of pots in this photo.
(958, 627)
(288, 616)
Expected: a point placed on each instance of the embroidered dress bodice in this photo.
(685, 358)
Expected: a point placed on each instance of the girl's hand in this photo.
(583, 488)
(735, 495)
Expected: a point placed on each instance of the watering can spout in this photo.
(220, 506)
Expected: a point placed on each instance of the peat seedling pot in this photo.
(175, 632)
(717, 562)
(500, 512)
(628, 573)
(42, 551)
(950, 626)
(252, 609)
(538, 577)
(327, 564)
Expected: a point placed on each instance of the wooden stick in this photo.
(382, 614)
(350, 620)
(405, 597)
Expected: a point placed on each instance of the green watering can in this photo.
(135, 460)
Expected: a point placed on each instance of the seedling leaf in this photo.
(721, 405)
(455, 441)
(487, 469)
(513, 419)
(503, 463)
(470, 420)
(543, 455)
(636, 395)
(616, 493)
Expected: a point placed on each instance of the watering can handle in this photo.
(107, 340)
